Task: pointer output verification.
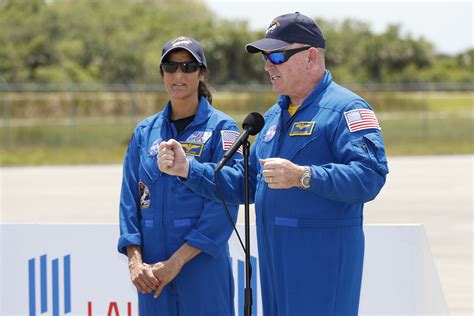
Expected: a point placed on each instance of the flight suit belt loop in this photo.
(318, 223)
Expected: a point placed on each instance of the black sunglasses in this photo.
(186, 67)
(281, 56)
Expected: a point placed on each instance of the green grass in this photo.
(430, 147)
(59, 105)
(413, 123)
(88, 142)
(442, 101)
(417, 127)
(405, 133)
(428, 134)
(65, 155)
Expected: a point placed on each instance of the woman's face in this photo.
(180, 85)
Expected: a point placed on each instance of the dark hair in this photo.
(203, 88)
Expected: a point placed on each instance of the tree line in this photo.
(120, 41)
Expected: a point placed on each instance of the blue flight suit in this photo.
(310, 242)
(160, 214)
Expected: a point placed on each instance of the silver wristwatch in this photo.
(305, 180)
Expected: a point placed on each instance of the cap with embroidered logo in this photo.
(288, 29)
(187, 43)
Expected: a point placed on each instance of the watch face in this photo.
(306, 179)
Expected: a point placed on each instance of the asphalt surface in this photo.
(436, 191)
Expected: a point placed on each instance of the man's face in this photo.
(287, 78)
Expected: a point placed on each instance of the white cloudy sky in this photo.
(446, 24)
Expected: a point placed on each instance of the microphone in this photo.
(252, 124)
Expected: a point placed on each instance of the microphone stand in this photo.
(248, 266)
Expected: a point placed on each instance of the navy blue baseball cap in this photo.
(288, 29)
(187, 43)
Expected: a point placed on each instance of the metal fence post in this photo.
(259, 100)
(72, 117)
(425, 117)
(6, 121)
(133, 104)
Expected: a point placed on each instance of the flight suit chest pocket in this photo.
(303, 146)
(264, 149)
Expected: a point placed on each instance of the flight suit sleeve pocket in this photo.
(376, 151)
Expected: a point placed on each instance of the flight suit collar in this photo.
(202, 114)
(301, 115)
(284, 100)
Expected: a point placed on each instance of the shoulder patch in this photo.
(361, 119)
(229, 137)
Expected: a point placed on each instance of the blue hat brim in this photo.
(188, 50)
(265, 45)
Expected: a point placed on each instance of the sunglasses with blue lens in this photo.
(186, 67)
(282, 56)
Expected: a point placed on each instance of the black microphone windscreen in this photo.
(254, 123)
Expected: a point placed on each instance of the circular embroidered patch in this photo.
(270, 134)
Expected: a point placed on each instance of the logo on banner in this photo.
(43, 284)
(41, 281)
(241, 284)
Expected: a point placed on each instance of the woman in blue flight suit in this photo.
(176, 241)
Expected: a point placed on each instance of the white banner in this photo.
(74, 269)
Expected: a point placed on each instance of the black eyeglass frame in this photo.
(286, 54)
(185, 66)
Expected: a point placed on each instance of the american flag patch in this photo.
(361, 119)
(228, 139)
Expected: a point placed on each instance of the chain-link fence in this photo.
(77, 115)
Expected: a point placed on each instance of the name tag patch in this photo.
(192, 148)
(199, 137)
(302, 128)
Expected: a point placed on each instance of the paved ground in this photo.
(434, 191)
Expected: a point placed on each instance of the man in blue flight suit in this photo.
(318, 159)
